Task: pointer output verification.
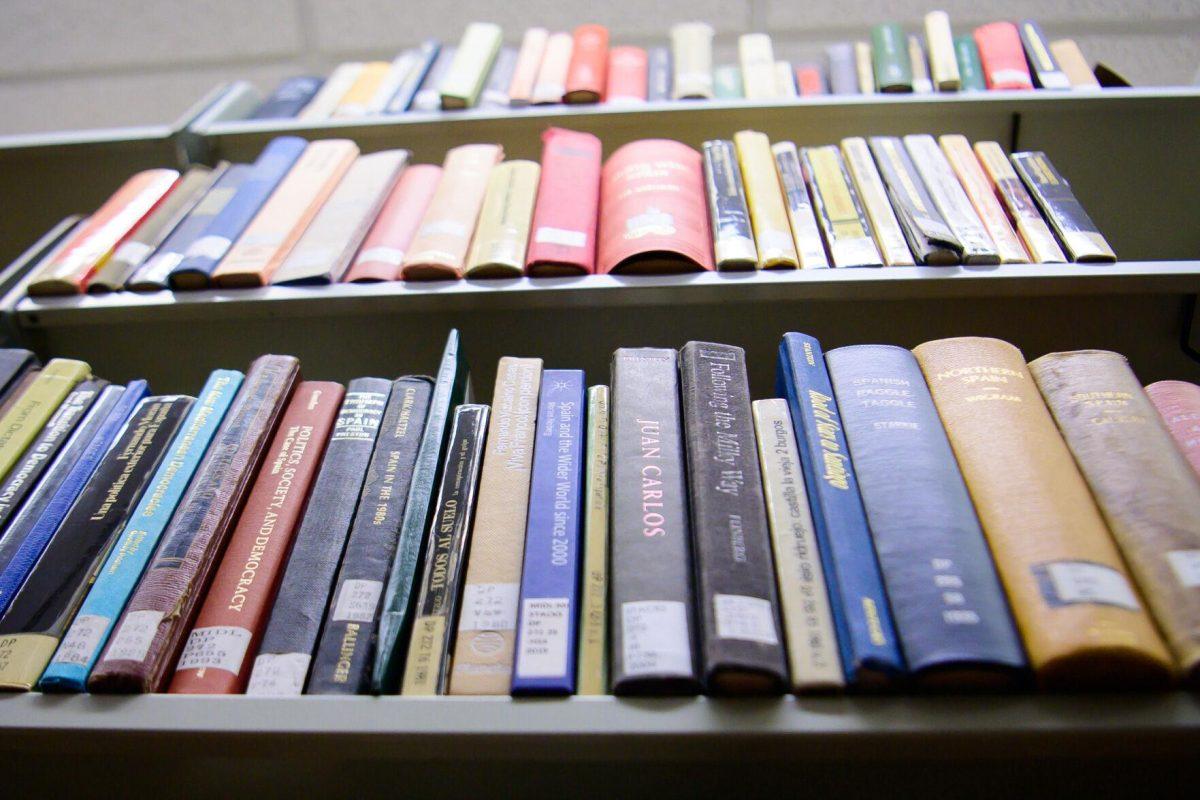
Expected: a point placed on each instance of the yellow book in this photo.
(498, 249)
(768, 214)
(864, 67)
(472, 62)
(691, 47)
(354, 103)
(979, 190)
(593, 616)
(757, 59)
(943, 65)
(28, 414)
(884, 225)
(1035, 233)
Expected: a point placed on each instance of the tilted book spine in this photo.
(889, 56)
(1002, 57)
(943, 66)
(951, 200)
(593, 604)
(772, 234)
(838, 209)
(1006, 184)
(498, 246)
(801, 217)
(34, 407)
(928, 236)
(1074, 65)
(1079, 235)
(733, 236)
(983, 198)
(1178, 403)
(889, 238)
(427, 55)
(473, 59)
(1046, 71)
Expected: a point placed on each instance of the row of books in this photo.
(948, 517)
(550, 68)
(319, 213)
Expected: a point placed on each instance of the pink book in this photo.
(382, 252)
(627, 70)
(562, 238)
(1178, 403)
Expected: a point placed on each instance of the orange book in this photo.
(529, 61)
(809, 80)
(588, 69)
(627, 71)
(653, 212)
(382, 252)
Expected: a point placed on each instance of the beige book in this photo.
(487, 621)
(398, 72)
(439, 247)
(757, 59)
(498, 249)
(472, 62)
(593, 614)
(884, 225)
(326, 100)
(864, 67)
(979, 190)
(358, 97)
(943, 64)
(1035, 233)
(1070, 58)
(691, 49)
(529, 62)
(768, 214)
(921, 82)
(785, 80)
(551, 82)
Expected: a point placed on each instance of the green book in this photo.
(969, 69)
(892, 65)
(727, 82)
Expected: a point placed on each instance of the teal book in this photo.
(970, 68)
(890, 59)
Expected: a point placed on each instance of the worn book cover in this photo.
(838, 208)
(983, 198)
(1178, 403)
(551, 82)
(593, 593)
(627, 75)
(733, 235)
(890, 62)
(1047, 73)
(563, 230)
(1054, 196)
(756, 57)
(1035, 234)
(768, 215)
(801, 218)
(943, 64)
(529, 62)
(951, 201)
(691, 46)
(843, 74)
(498, 247)
(588, 67)
(1002, 56)
(889, 237)
(382, 251)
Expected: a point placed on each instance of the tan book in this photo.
(691, 49)
(358, 98)
(921, 83)
(943, 64)
(983, 198)
(326, 100)
(1079, 615)
(1144, 486)
(864, 67)
(29, 412)
(884, 225)
(1035, 234)
(1068, 55)
(757, 59)
(785, 80)
(487, 622)
(472, 62)
(529, 62)
(768, 214)
(274, 231)
(551, 82)
(439, 248)
(498, 249)
(593, 613)
(951, 201)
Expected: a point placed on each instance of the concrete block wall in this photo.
(69, 64)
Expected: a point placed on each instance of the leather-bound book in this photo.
(1178, 403)
(562, 237)
(588, 69)
(382, 251)
(593, 602)
(1002, 56)
(838, 208)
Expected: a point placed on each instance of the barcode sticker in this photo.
(357, 601)
(387, 255)
(654, 635)
(489, 607)
(215, 647)
(560, 236)
(133, 638)
(545, 631)
(82, 640)
(747, 618)
(209, 247)
(278, 675)
(1186, 564)
(1070, 582)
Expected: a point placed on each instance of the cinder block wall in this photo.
(67, 64)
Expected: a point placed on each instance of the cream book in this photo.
(472, 61)
(551, 82)
(884, 225)
(529, 62)
(593, 613)
(1035, 233)
(785, 80)
(691, 48)
(757, 59)
(951, 200)
(326, 100)
(920, 67)
(943, 64)
(864, 67)
(357, 99)
(979, 189)
(498, 249)
(768, 214)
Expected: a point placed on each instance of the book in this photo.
(843, 71)
(691, 48)
(1077, 611)
(18, 388)
(733, 236)
(864, 68)
(451, 388)
(529, 62)
(741, 651)
(943, 62)
(382, 251)
(428, 96)
(983, 198)
(72, 267)
(399, 74)
(498, 247)
(653, 216)
(288, 98)
(428, 662)
(147, 638)
(357, 99)
(289, 639)
(1046, 72)
(1178, 403)
(1002, 57)
(33, 407)
(327, 245)
(727, 82)
(270, 237)
(922, 84)
(838, 209)
(970, 70)
(425, 54)
(810, 80)
(127, 559)
(342, 660)
(1068, 55)
(326, 100)
(929, 237)
(785, 80)
(757, 60)
(194, 271)
(950, 611)
(890, 62)
(951, 201)
(1109, 78)
(230, 622)
(867, 643)
(651, 583)
(803, 222)
(627, 75)
(565, 213)
(1053, 194)
(38, 616)
(45, 250)
(592, 669)
(807, 619)
(588, 67)
(495, 89)
(1035, 234)
(551, 82)
(548, 618)
(660, 74)
(889, 238)
(439, 247)
(1143, 484)
(487, 624)
(768, 215)
(464, 80)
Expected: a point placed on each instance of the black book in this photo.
(295, 623)
(14, 364)
(651, 609)
(929, 237)
(741, 649)
(343, 661)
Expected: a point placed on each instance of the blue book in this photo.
(289, 97)
(547, 621)
(26, 556)
(85, 639)
(209, 248)
(861, 615)
(427, 53)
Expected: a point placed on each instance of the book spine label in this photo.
(529, 61)
(382, 251)
(891, 66)
(660, 74)
(733, 236)
(950, 611)
(838, 209)
(768, 216)
(970, 70)
(727, 82)
(593, 611)
(943, 65)
(757, 60)
(1002, 57)
(691, 46)
(812, 645)
(920, 66)
(627, 74)
(547, 622)
(563, 229)
(1046, 70)
(951, 200)
(866, 635)
(1079, 74)
(1178, 403)
(427, 667)
(498, 248)
(495, 91)
(289, 97)
(487, 624)
(465, 78)
(983, 199)
(1058, 203)
(551, 82)
(803, 221)
(651, 598)
(741, 649)
(888, 236)
(1035, 233)
(30, 412)
(589, 65)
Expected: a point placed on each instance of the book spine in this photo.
(627, 75)
(733, 236)
(864, 68)
(922, 84)
(727, 82)
(983, 199)
(812, 647)
(889, 238)
(589, 65)
(498, 247)
(426, 54)
(428, 96)
(843, 75)
(146, 640)
(1046, 70)
(805, 233)
(326, 100)
(691, 47)
(660, 75)
(382, 251)
(943, 64)
(785, 80)
(1145, 488)
(970, 70)
(867, 641)
(357, 99)
(768, 216)
(741, 650)
(1075, 229)
(1079, 74)
(651, 596)
(551, 82)
(1178, 403)
(487, 625)
(472, 61)
(951, 200)
(117, 578)
(529, 61)
(30, 412)
(891, 66)
(838, 208)
(1002, 57)
(1035, 233)
(757, 60)
(563, 229)
(1078, 614)
(810, 80)
(495, 90)
(592, 670)
(289, 98)
(951, 614)
(427, 667)
(343, 655)
(290, 637)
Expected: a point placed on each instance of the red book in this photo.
(562, 237)
(588, 69)
(220, 649)
(809, 80)
(1178, 403)
(382, 251)
(627, 70)
(1002, 56)
(653, 212)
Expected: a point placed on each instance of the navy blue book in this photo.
(861, 616)
(289, 97)
(427, 53)
(548, 614)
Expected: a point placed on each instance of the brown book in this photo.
(1080, 618)
(150, 633)
(1144, 486)
(1178, 403)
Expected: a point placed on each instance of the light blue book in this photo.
(123, 568)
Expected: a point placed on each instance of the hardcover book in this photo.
(1178, 403)
(983, 198)
(33, 407)
(864, 68)
(495, 89)
(943, 64)
(405, 88)
(1060, 207)
(970, 71)
(627, 75)
(1068, 55)
(288, 98)
(588, 67)
(18, 388)
(801, 218)
(1047, 73)
(355, 102)
(757, 60)
(660, 77)
(768, 215)
(593, 594)
(920, 66)
(551, 82)
(733, 236)
(691, 46)
(563, 238)
(1002, 57)
(1035, 233)
(44, 251)
(382, 251)
(891, 65)
(838, 209)
(785, 80)
(498, 247)
(427, 96)
(951, 201)
(326, 100)
(889, 238)
(473, 59)
(727, 82)
(843, 74)
(529, 62)
(810, 80)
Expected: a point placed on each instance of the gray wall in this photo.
(97, 63)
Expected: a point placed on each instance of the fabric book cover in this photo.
(768, 215)
(889, 237)
(1178, 403)
(733, 235)
(326, 100)
(498, 247)
(970, 70)
(627, 75)
(382, 251)
(33, 407)
(473, 59)
(1002, 56)
(593, 592)
(565, 214)
(890, 61)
